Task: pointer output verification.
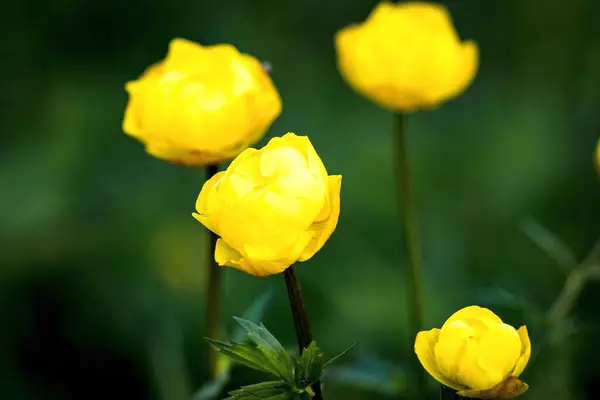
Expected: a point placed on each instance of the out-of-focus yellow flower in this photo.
(271, 207)
(201, 104)
(476, 354)
(406, 56)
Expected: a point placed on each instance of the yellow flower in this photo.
(476, 354)
(271, 207)
(201, 104)
(406, 56)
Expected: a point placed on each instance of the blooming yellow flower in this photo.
(406, 56)
(271, 207)
(476, 354)
(201, 104)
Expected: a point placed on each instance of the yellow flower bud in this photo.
(406, 56)
(201, 104)
(476, 354)
(271, 207)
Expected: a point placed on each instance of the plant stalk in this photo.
(301, 321)
(213, 292)
(412, 247)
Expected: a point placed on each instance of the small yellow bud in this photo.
(476, 354)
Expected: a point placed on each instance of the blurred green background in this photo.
(102, 264)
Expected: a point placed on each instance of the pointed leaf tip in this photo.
(343, 353)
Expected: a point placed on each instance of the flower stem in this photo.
(213, 291)
(411, 238)
(301, 321)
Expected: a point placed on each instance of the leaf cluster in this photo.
(263, 352)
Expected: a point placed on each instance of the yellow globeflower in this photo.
(476, 354)
(271, 207)
(406, 56)
(201, 104)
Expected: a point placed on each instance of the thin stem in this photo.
(213, 291)
(301, 321)
(589, 268)
(411, 239)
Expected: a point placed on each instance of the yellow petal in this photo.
(498, 350)
(424, 348)
(225, 255)
(525, 351)
(473, 313)
(509, 388)
(206, 203)
(449, 352)
(321, 230)
(467, 70)
(130, 120)
(183, 52)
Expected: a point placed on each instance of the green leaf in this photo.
(309, 366)
(265, 390)
(551, 244)
(253, 313)
(343, 353)
(270, 347)
(245, 354)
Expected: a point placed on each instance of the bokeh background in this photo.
(101, 267)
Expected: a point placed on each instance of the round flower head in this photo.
(201, 104)
(476, 354)
(406, 56)
(271, 207)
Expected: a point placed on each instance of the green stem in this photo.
(411, 238)
(301, 321)
(213, 292)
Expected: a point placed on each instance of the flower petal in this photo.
(525, 351)
(473, 313)
(498, 350)
(206, 201)
(468, 69)
(424, 345)
(225, 255)
(322, 230)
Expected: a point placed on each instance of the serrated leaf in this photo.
(245, 354)
(309, 366)
(270, 347)
(265, 390)
(551, 244)
(343, 353)
(254, 313)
